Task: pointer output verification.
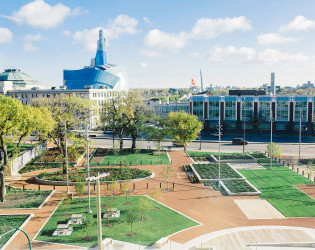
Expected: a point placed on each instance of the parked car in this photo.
(239, 141)
(108, 131)
(216, 134)
(79, 135)
(178, 144)
(34, 133)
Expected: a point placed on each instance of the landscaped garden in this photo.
(52, 159)
(18, 198)
(211, 171)
(159, 222)
(238, 186)
(22, 147)
(9, 222)
(277, 188)
(129, 157)
(119, 173)
(204, 156)
(233, 156)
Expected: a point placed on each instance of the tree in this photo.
(79, 188)
(87, 223)
(131, 217)
(166, 173)
(157, 134)
(65, 202)
(275, 149)
(108, 210)
(119, 113)
(112, 186)
(156, 195)
(17, 121)
(183, 127)
(136, 126)
(144, 205)
(70, 110)
(125, 191)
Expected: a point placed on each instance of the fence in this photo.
(26, 156)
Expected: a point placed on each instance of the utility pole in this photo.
(271, 125)
(300, 135)
(88, 165)
(219, 143)
(244, 118)
(66, 157)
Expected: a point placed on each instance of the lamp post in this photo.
(88, 166)
(200, 141)
(244, 118)
(271, 125)
(219, 143)
(98, 205)
(300, 135)
(66, 157)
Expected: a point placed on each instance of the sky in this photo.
(162, 43)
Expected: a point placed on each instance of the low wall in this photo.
(26, 156)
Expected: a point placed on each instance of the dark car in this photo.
(239, 141)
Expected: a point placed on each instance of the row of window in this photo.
(109, 94)
(17, 96)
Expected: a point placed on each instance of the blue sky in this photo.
(163, 43)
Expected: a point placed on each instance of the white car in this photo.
(216, 134)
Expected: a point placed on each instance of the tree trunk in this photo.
(134, 139)
(121, 142)
(64, 167)
(2, 185)
(131, 227)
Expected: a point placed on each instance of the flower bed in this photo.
(53, 155)
(121, 173)
(211, 171)
(234, 156)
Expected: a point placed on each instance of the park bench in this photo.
(75, 219)
(161, 242)
(63, 230)
(107, 242)
(113, 214)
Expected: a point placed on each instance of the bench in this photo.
(63, 231)
(112, 215)
(107, 242)
(161, 242)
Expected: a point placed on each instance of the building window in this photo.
(213, 113)
(297, 114)
(22, 95)
(230, 114)
(25, 95)
(213, 103)
(300, 104)
(282, 113)
(198, 104)
(198, 113)
(230, 104)
(247, 104)
(264, 104)
(282, 104)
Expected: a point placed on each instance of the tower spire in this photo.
(201, 81)
(100, 58)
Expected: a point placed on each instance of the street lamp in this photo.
(200, 141)
(219, 144)
(244, 118)
(88, 165)
(271, 125)
(300, 135)
(66, 158)
(98, 206)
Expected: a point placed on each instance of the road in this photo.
(289, 145)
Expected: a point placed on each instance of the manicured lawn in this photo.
(24, 199)
(22, 147)
(211, 171)
(204, 156)
(8, 222)
(159, 223)
(233, 156)
(130, 157)
(277, 187)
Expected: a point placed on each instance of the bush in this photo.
(257, 154)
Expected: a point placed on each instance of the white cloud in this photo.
(150, 54)
(218, 54)
(271, 56)
(207, 28)
(40, 14)
(5, 35)
(122, 25)
(204, 28)
(32, 38)
(299, 23)
(30, 47)
(146, 20)
(162, 40)
(143, 65)
(79, 11)
(66, 32)
(193, 54)
(270, 38)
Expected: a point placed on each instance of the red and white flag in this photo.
(192, 82)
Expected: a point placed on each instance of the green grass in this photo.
(8, 222)
(128, 156)
(159, 223)
(22, 147)
(277, 188)
(211, 171)
(24, 199)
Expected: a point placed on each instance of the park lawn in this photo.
(159, 223)
(8, 222)
(280, 192)
(129, 157)
(24, 199)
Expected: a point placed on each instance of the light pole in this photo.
(88, 166)
(244, 118)
(98, 206)
(271, 125)
(300, 135)
(200, 141)
(219, 144)
(66, 157)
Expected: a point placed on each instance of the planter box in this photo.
(252, 160)
(257, 192)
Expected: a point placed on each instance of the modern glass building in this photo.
(253, 113)
(99, 75)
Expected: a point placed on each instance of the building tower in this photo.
(100, 58)
(272, 84)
